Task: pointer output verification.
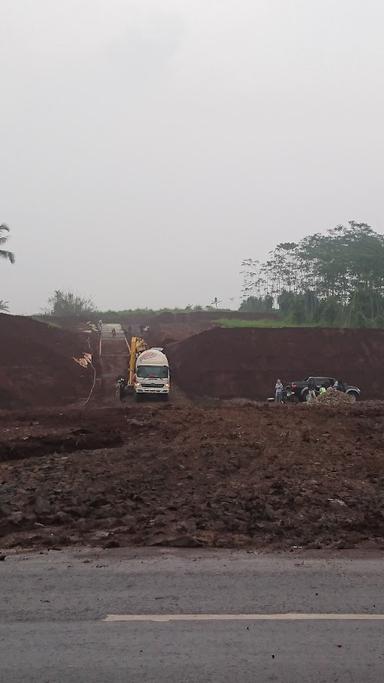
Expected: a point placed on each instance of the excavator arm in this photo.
(136, 346)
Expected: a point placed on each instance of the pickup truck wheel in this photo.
(354, 396)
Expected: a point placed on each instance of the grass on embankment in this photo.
(225, 322)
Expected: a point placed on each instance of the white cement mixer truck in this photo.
(151, 374)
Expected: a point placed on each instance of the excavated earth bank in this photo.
(229, 363)
(36, 366)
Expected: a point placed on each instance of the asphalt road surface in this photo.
(184, 616)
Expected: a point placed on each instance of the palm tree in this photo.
(3, 252)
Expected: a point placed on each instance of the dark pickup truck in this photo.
(299, 390)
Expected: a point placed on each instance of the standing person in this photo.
(121, 384)
(279, 391)
(311, 389)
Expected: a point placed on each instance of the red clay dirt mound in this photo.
(36, 366)
(229, 363)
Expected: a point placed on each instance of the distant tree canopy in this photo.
(336, 278)
(257, 304)
(64, 304)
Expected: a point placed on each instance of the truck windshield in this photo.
(156, 371)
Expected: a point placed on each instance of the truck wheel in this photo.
(354, 396)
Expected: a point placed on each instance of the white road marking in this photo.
(289, 616)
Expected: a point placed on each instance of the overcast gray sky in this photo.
(148, 146)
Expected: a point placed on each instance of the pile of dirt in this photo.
(262, 476)
(333, 397)
(230, 363)
(36, 366)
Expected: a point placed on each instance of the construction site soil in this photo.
(220, 474)
(36, 366)
(168, 333)
(229, 363)
(196, 471)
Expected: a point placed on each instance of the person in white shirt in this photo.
(279, 391)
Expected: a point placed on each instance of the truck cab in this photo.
(152, 374)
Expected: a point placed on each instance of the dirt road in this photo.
(114, 360)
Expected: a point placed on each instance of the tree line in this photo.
(336, 278)
(68, 304)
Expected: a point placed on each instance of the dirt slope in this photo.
(167, 333)
(36, 366)
(229, 363)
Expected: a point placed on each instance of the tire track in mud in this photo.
(39, 446)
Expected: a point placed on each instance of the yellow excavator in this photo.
(136, 346)
(125, 385)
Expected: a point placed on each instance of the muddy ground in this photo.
(219, 474)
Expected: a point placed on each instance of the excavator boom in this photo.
(136, 346)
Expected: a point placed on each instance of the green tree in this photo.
(4, 253)
(64, 304)
(336, 278)
(257, 304)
